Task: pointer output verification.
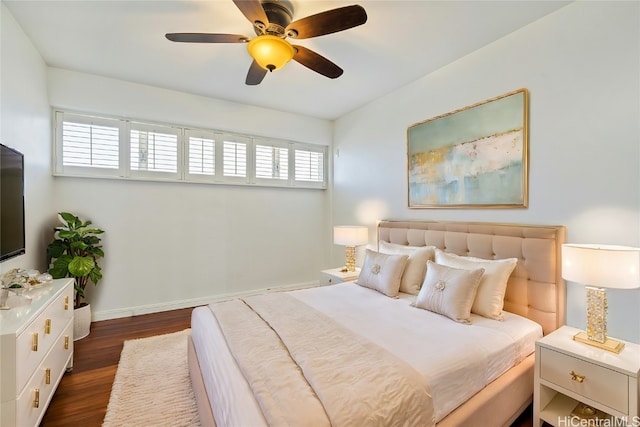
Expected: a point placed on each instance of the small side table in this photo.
(569, 373)
(336, 275)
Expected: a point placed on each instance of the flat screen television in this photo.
(12, 240)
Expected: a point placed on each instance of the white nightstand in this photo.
(568, 372)
(336, 275)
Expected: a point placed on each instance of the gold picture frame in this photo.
(474, 157)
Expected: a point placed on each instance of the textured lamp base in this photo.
(350, 252)
(609, 344)
(596, 334)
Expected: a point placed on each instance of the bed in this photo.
(491, 388)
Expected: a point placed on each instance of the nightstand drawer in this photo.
(336, 275)
(594, 382)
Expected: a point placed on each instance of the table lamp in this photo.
(350, 236)
(599, 267)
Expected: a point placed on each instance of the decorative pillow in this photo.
(382, 272)
(490, 296)
(449, 291)
(416, 268)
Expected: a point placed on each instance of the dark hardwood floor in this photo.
(82, 396)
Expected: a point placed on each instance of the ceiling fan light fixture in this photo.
(270, 52)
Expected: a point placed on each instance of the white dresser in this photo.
(36, 347)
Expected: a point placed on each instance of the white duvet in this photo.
(457, 360)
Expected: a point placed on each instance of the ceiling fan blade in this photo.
(253, 11)
(206, 38)
(317, 62)
(255, 75)
(328, 22)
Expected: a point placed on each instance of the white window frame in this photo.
(237, 139)
(161, 129)
(275, 182)
(182, 134)
(216, 137)
(60, 168)
(314, 149)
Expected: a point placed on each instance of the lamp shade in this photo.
(270, 52)
(603, 266)
(350, 235)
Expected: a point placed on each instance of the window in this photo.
(235, 159)
(87, 142)
(90, 145)
(86, 145)
(272, 161)
(202, 155)
(310, 165)
(153, 148)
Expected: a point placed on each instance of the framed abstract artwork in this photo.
(474, 157)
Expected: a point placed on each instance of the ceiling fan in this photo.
(271, 20)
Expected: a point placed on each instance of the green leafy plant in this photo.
(74, 252)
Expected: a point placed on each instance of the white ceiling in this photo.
(401, 42)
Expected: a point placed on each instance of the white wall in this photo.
(582, 68)
(25, 126)
(169, 245)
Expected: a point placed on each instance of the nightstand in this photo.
(568, 373)
(335, 275)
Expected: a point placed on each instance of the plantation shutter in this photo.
(87, 143)
(153, 150)
(234, 157)
(201, 152)
(271, 161)
(309, 166)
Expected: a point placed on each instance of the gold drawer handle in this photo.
(34, 342)
(576, 377)
(47, 376)
(47, 326)
(36, 400)
(66, 302)
(66, 342)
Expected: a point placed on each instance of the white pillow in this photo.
(382, 272)
(416, 268)
(493, 285)
(449, 291)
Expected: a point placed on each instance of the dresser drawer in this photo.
(35, 397)
(36, 340)
(600, 384)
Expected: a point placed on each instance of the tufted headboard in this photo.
(535, 289)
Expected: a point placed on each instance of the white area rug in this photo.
(152, 385)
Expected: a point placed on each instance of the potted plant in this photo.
(74, 252)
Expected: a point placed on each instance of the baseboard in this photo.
(187, 303)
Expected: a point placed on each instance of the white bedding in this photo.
(456, 359)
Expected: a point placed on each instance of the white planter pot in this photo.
(81, 322)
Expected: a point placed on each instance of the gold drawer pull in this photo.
(47, 376)
(34, 342)
(576, 377)
(36, 400)
(66, 302)
(66, 342)
(47, 326)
